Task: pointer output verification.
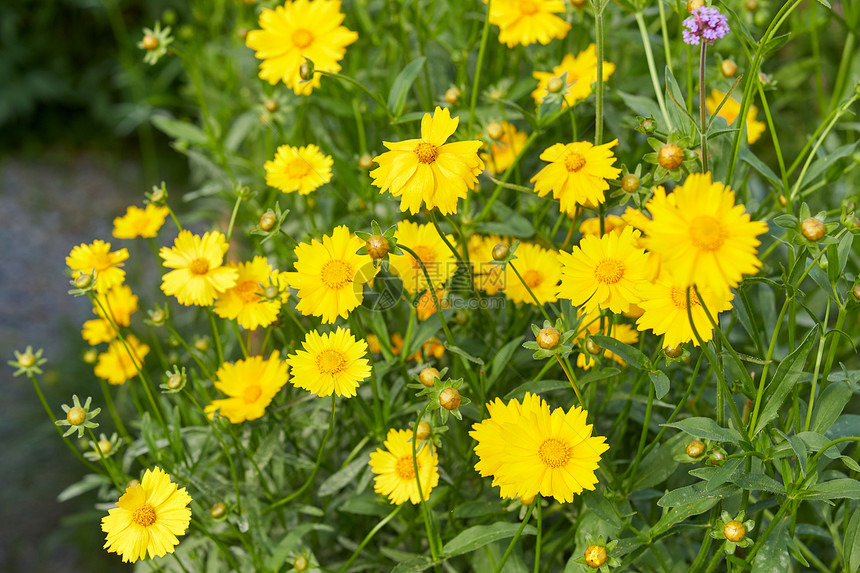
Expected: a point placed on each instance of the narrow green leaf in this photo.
(660, 463)
(706, 428)
(829, 406)
(661, 383)
(851, 544)
(180, 129)
(844, 251)
(843, 488)
(631, 355)
(787, 374)
(757, 482)
(833, 269)
(537, 387)
(415, 565)
(601, 507)
(747, 156)
(773, 556)
(481, 535)
(500, 361)
(336, 481)
(402, 83)
(723, 473)
(690, 508)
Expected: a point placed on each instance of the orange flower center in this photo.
(554, 452)
(302, 38)
(404, 468)
(252, 394)
(247, 291)
(144, 515)
(609, 271)
(532, 278)
(426, 254)
(331, 361)
(298, 168)
(528, 7)
(199, 267)
(679, 298)
(574, 161)
(426, 152)
(336, 274)
(707, 233)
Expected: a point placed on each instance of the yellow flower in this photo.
(119, 302)
(581, 73)
(330, 276)
(395, 468)
(505, 149)
(611, 224)
(299, 30)
(330, 362)
(431, 250)
(487, 276)
(301, 169)
(577, 173)
(97, 331)
(702, 237)
(524, 22)
(730, 112)
(665, 307)
(425, 306)
(591, 323)
(199, 275)
(539, 268)
(246, 302)
(428, 169)
(147, 519)
(373, 344)
(97, 257)
(139, 222)
(116, 365)
(604, 272)
(534, 451)
(250, 384)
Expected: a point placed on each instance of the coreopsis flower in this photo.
(198, 276)
(611, 224)
(577, 173)
(524, 22)
(428, 169)
(604, 272)
(329, 275)
(487, 275)
(97, 331)
(301, 169)
(665, 310)
(330, 362)
(139, 222)
(395, 468)
(250, 384)
(702, 237)
(297, 30)
(705, 24)
(730, 111)
(539, 268)
(504, 149)
(246, 302)
(590, 323)
(531, 450)
(148, 518)
(437, 258)
(120, 362)
(581, 73)
(425, 306)
(97, 257)
(119, 303)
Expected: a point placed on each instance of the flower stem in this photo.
(534, 298)
(432, 533)
(702, 109)
(571, 379)
(473, 97)
(370, 535)
(539, 521)
(598, 91)
(516, 536)
(652, 68)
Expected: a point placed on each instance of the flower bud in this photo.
(201, 344)
(717, 458)
(132, 483)
(647, 125)
(150, 42)
(554, 85)
(270, 105)
(90, 356)
(175, 382)
(83, 281)
(104, 446)
(670, 156)
(694, 5)
(577, 3)
(782, 200)
(427, 376)
(729, 68)
(158, 196)
(495, 131)
(734, 531)
(271, 292)
(673, 351)
(366, 162)
(630, 183)
(812, 229)
(306, 70)
(856, 291)
(763, 78)
(496, 94)
(452, 96)
(27, 360)
(423, 430)
(595, 556)
(500, 251)
(377, 246)
(76, 416)
(526, 500)
(218, 510)
(592, 347)
(695, 448)
(449, 398)
(301, 563)
(267, 221)
(751, 5)
(548, 338)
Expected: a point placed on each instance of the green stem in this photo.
(473, 97)
(369, 536)
(519, 532)
(539, 520)
(598, 90)
(702, 109)
(448, 336)
(534, 298)
(652, 68)
(432, 534)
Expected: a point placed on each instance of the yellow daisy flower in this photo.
(119, 302)
(330, 276)
(486, 275)
(540, 270)
(577, 173)
(373, 344)
(250, 384)
(425, 306)
(199, 275)
(428, 169)
(665, 311)
(116, 365)
(295, 31)
(504, 150)
(97, 331)
(581, 73)
(139, 222)
(524, 22)
(246, 302)
(702, 237)
(591, 323)
(98, 257)
(147, 519)
(301, 169)
(604, 272)
(330, 362)
(730, 112)
(395, 468)
(611, 224)
(431, 250)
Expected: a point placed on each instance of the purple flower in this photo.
(705, 23)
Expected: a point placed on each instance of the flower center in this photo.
(247, 291)
(554, 452)
(528, 7)
(707, 233)
(199, 267)
(144, 515)
(101, 261)
(532, 278)
(331, 361)
(425, 254)
(679, 298)
(298, 168)
(302, 38)
(404, 468)
(609, 271)
(574, 161)
(426, 152)
(252, 394)
(336, 274)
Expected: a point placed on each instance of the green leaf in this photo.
(787, 374)
(646, 107)
(511, 223)
(336, 481)
(678, 114)
(402, 83)
(694, 504)
(537, 387)
(825, 3)
(478, 509)
(851, 544)
(760, 166)
(500, 361)
(706, 428)
(723, 473)
(180, 129)
(774, 44)
(757, 482)
(660, 463)
(844, 251)
(773, 556)
(284, 548)
(481, 535)
(843, 488)
(601, 507)
(631, 355)
(830, 405)
(687, 494)
(464, 354)
(87, 483)
(826, 161)
(661, 383)
(419, 563)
